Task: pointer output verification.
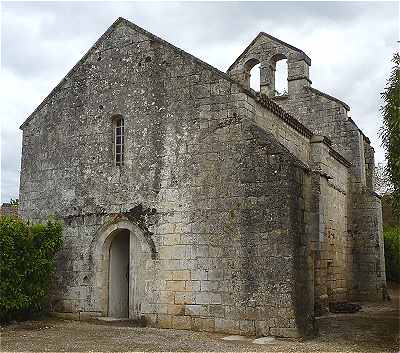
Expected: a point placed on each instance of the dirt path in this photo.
(374, 329)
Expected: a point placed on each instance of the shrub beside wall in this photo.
(27, 263)
(391, 237)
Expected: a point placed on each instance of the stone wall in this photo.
(349, 140)
(336, 246)
(329, 215)
(327, 116)
(241, 219)
(369, 266)
(220, 198)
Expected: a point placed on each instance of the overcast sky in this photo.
(350, 45)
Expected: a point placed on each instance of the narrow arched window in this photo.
(119, 140)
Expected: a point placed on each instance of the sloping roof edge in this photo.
(262, 99)
(326, 95)
(104, 35)
(70, 72)
(307, 58)
(273, 107)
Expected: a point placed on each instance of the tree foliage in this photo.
(391, 236)
(383, 184)
(390, 131)
(27, 263)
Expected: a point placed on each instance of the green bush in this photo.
(27, 263)
(391, 237)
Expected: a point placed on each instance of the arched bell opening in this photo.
(252, 74)
(281, 78)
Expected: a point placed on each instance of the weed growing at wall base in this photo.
(27, 263)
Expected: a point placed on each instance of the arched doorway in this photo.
(129, 238)
(118, 275)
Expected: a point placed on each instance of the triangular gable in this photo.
(103, 37)
(263, 34)
(69, 74)
(272, 106)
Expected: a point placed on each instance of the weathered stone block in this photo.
(285, 332)
(227, 326)
(202, 297)
(262, 328)
(66, 316)
(198, 275)
(167, 297)
(247, 327)
(175, 286)
(182, 322)
(173, 309)
(164, 321)
(184, 298)
(215, 298)
(181, 275)
(202, 324)
(196, 310)
(89, 315)
(151, 319)
(217, 311)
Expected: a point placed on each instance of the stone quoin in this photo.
(191, 201)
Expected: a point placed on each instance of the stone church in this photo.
(191, 201)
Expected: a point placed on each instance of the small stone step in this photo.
(112, 319)
(264, 340)
(235, 338)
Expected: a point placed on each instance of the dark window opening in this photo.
(119, 141)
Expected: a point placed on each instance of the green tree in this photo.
(391, 237)
(27, 263)
(390, 131)
(383, 184)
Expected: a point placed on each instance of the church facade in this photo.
(191, 201)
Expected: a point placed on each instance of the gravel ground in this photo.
(373, 329)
